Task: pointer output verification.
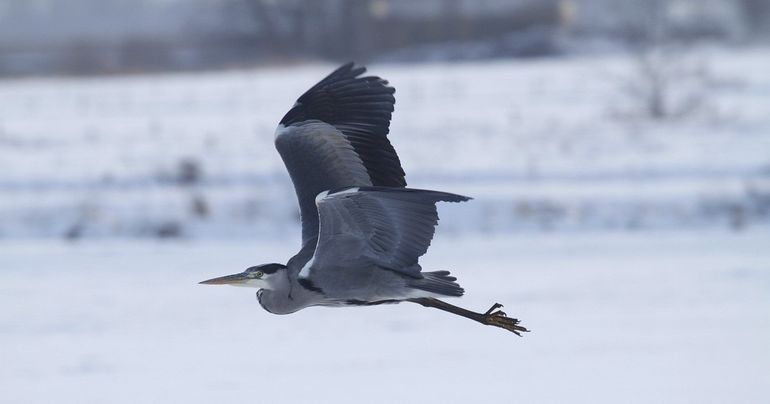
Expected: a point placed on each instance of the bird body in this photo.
(363, 231)
(354, 261)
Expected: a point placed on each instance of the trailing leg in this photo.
(491, 317)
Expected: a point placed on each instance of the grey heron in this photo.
(363, 231)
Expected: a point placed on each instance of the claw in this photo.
(499, 319)
(494, 307)
(494, 318)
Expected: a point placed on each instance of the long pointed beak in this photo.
(227, 280)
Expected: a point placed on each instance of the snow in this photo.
(675, 317)
(539, 144)
(636, 251)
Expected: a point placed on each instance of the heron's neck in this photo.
(284, 296)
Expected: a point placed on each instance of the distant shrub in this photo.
(170, 229)
(189, 171)
(199, 207)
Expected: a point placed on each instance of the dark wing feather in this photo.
(360, 108)
(336, 136)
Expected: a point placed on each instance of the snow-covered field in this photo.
(636, 251)
(616, 318)
(540, 144)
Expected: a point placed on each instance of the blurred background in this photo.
(618, 152)
(154, 118)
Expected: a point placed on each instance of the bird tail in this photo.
(439, 282)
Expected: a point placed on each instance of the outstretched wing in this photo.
(336, 136)
(362, 227)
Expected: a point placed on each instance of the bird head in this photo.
(260, 276)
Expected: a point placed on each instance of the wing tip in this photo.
(438, 196)
(351, 70)
(338, 90)
(347, 70)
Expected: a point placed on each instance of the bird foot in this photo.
(498, 318)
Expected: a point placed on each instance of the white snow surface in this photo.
(539, 144)
(646, 317)
(636, 251)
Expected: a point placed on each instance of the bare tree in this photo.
(666, 82)
(668, 79)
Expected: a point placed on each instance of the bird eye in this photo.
(259, 274)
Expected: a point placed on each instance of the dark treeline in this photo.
(119, 36)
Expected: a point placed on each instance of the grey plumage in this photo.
(368, 245)
(374, 233)
(363, 232)
(318, 158)
(389, 227)
(336, 136)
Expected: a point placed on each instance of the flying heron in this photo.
(363, 231)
